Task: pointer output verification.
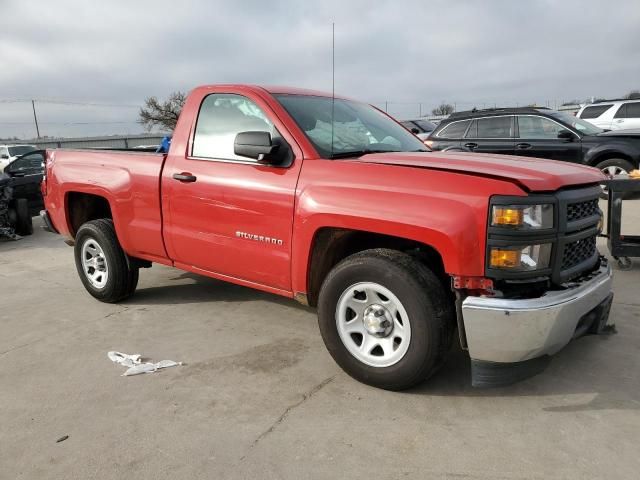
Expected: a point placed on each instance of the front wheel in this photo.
(24, 223)
(613, 167)
(102, 264)
(385, 319)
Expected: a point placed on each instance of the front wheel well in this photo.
(83, 207)
(332, 245)
(609, 155)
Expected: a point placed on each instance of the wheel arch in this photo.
(81, 207)
(330, 245)
(601, 156)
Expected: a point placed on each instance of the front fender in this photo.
(609, 150)
(444, 210)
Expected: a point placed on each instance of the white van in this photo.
(615, 115)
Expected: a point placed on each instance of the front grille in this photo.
(578, 252)
(580, 210)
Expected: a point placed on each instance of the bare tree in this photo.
(443, 109)
(633, 95)
(162, 114)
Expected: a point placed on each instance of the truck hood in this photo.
(532, 174)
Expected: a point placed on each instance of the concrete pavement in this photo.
(259, 397)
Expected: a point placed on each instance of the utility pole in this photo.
(385, 106)
(420, 108)
(35, 117)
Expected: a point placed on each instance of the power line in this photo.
(69, 102)
(71, 123)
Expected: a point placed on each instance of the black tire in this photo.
(24, 224)
(421, 293)
(614, 164)
(122, 279)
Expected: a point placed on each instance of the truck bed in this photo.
(130, 181)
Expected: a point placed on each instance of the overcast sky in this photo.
(471, 53)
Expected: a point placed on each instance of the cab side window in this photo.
(633, 110)
(34, 161)
(221, 118)
(628, 110)
(622, 112)
(532, 127)
(454, 130)
(495, 127)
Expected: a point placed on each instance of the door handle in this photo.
(619, 120)
(470, 145)
(523, 146)
(184, 177)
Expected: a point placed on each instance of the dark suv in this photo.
(538, 132)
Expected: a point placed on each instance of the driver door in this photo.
(229, 215)
(538, 137)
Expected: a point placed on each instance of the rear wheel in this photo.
(102, 264)
(24, 224)
(385, 318)
(612, 167)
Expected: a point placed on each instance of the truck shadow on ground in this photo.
(203, 289)
(578, 369)
(573, 371)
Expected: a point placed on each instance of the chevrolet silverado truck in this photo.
(331, 202)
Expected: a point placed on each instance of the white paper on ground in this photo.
(150, 367)
(124, 359)
(140, 368)
(135, 366)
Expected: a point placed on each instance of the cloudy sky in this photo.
(90, 64)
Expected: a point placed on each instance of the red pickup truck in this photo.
(333, 203)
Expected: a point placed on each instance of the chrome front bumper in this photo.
(506, 331)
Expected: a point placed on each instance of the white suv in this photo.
(617, 115)
(8, 153)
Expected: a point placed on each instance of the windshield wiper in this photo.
(359, 153)
(366, 151)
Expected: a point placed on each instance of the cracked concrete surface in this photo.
(258, 397)
(305, 396)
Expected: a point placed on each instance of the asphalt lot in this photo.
(259, 397)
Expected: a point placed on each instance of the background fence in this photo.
(115, 141)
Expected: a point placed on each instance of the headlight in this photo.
(520, 259)
(524, 217)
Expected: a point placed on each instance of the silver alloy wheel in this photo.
(373, 324)
(611, 171)
(94, 263)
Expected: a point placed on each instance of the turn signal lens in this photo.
(507, 216)
(521, 259)
(505, 258)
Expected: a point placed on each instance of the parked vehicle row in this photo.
(419, 127)
(26, 172)
(538, 132)
(8, 153)
(612, 115)
(331, 202)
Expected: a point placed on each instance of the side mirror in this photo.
(415, 131)
(565, 135)
(4, 156)
(256, 145)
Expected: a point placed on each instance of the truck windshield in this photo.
(580, 125)
(357, 128)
